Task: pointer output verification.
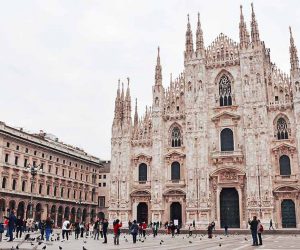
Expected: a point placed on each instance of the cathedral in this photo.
(220, 143)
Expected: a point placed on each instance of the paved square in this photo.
(233, 242)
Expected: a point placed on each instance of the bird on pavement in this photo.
(220, 245)
(60, 248)
(44, 247)
(190, 242)
(83, 248)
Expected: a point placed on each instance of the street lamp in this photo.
(33, 170)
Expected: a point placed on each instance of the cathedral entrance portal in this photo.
(176, 212)
(142, 212)
(288, 214)
(229, 208)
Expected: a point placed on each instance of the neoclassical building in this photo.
(64, 186)
(219, 143)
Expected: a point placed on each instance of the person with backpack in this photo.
(104, 227)
(11, 224)
(260, 230)
(134, 231)
(48, 228)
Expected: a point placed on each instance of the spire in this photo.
(199, 38)
(244, 34)
(293, 54)
(158, 75)
(136, 116)
(128, 90)
(254, 29)
(189, 48)
(117, 116)
(127, 102)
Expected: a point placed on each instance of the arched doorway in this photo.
(12, 205)
(79, 214)
(93, 214)
(60, 216)
(84, 215)
(142, 212)
(53, 213)
(38, 212)
(21, 209)
(2, 209)
(73, 212)
(229, 208)
(67, 213)
(288, 214)
(176, 212)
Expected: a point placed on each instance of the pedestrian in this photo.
(11, 224)
(104, 227)
(253, 227)
(117, 231)
(134, 231)
(140, 230)
(81, 229)
(194, 224)
(96, 229)
(19, 227)
(172, 228)
(77, 229)
(65, 229)
(213, 225)
(226, 229)
(178, 229)
(144, 227)
(260, 230)
(1, 230)
(190, 230)
(209, 230)
(48, 228)
(271, 225)
(42, 229)
(101, 228)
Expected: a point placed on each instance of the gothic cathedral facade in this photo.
(220, 143)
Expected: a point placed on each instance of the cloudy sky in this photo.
(60, 60)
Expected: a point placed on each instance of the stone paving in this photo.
(232, 242)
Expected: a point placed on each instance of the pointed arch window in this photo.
(23, 186)
(285, 165)
(142, 172)
(282, 129)
(176, 137)
(4, 182)
(14, 184)
(225, 91)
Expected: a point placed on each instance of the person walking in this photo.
(190, 230)
(271, 225)
(213, 225)
(253, 227)
(48, 228)
(11, 224)
(117, 231)
(172, 228)
(65, 229)
(1, 230)
(19, 227)
(81, 229)
(209, 230)
(134, 230)
(144, 227)
(260, 230)
(104, 227)
(101, 228)
(96, 230)
(226, 229)
(42, 226)
(194, 224)
(77, 229)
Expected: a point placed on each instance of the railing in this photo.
(286, 178)
(217, 154)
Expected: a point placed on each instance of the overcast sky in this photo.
(60, 60)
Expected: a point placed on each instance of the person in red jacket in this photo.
(117, 225)
(144, 227)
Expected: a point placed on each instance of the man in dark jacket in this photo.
(11, 224)
(104, 228)
(134, 230)
(19, 227)
(253, 227)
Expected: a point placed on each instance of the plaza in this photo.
(162, 241)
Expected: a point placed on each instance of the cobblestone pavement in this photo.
(233, 242)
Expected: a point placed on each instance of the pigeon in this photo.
(245, 238)
(60, 248)
(161, 240)
(126, 240)
(31, 244)
(83, 248)
(44, 247)
(190, 242)
(27, 236)
(84, 241)
(17, 247)
(40, 243)
(160, 243)
(220, 245)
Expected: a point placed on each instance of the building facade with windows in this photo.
(65, 183)
(103, 189)
(220, 143)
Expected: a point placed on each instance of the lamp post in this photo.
(33, 170)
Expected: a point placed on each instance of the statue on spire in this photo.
(158, 74)
(244, 34)
(293, 54)
(199, 38)
(254, 29)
